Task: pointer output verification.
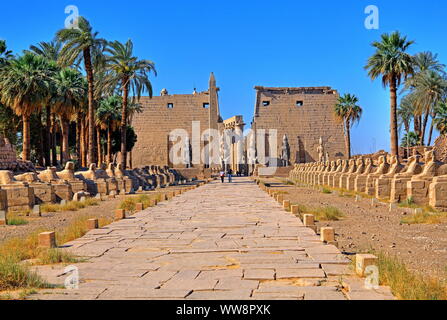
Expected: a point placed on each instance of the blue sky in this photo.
(248, 43)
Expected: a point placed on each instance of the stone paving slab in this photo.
(220, 241)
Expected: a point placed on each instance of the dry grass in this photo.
(15, 275)
(426, 217)
(326, 190)
(69, 206)
(129, 204)
(328, 213)
(407, 285)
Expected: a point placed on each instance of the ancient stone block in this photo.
(92, 224)
(286, 205)
(327, 234)
(139, 207)
(47, 240)
(362, 261)
(120, 214)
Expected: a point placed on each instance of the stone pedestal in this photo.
(360, 183)
(383, 188)
(350, 182)
(344, 180)
(63, 192)
(370, 186)
(43, 193)
(399, 189)
(18, 198)
(418, 190)
(438, 193)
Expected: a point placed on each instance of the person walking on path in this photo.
(230, 176)
(222, 176)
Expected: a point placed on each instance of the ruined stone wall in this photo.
(8, 157)
(304, 115)
(441, 148)
(157, 121)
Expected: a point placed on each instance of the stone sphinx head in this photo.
(429, 156)
(28, 177)
(6, 177)
(68, 174)
(110, 170)
(49, 175)
(119, 172)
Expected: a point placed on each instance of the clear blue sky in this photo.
(247, 43)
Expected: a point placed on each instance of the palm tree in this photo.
(69, 94)
(410, 139)
(130, 75)
(406, 112)
(51, 51)
(5, 54)
(348, 112)
(441, 118)
(24, 86)
(83, 44)
(392, 63)
(430, 88)
(108, 117)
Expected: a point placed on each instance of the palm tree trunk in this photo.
(348, 139)
(48, 135)
(26, 138)
(424, 128)
(109, 144)
(98, 142)
(430, 136)
(124, 124)
(86, 141)
(393, 117)
(40, 149)
(92, 152)
(417, 125)
(78, 136)
(65, 129)
(54, 140)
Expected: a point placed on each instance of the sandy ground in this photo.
(59, 220)
(422, 247)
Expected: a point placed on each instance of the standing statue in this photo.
(327, 157)
(187, 153)
(252, 149)
(320, 151)
(285, 155)
(225, 150)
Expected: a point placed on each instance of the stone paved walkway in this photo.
(219, 241)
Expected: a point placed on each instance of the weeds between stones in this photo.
(407, 285)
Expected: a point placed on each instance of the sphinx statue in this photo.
(68, 175)
(384, 166)
(360, 180)
(340, 171)
(399, 182)
(418, 186)
(352, 167)
(43, 192)
(19, 195)
(360, 168)
(95, 182)
(383, 183)
(62, 188)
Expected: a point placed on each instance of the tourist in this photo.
(222, 176)
(230, 176)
